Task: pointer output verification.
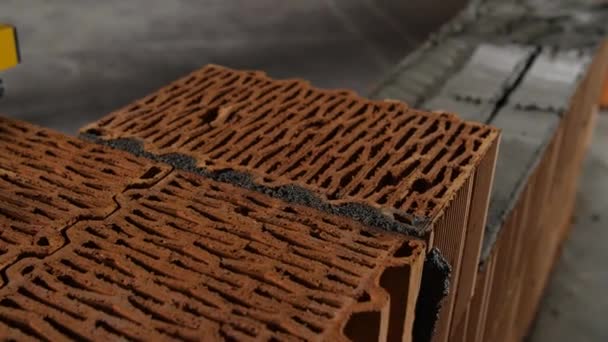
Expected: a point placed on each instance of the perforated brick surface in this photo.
(345, 148)
(146, 253)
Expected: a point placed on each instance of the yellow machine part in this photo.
(9, 47)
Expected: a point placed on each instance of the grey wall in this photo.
(84, 58)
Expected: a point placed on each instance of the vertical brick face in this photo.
(418, 168)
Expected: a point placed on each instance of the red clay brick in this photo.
(49, 181)
(332, 142)
(143, 252)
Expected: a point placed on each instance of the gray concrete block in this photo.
(550, 81)
(488, 72)
(525, 135)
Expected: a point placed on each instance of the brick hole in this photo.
(43, 241)
(262, 293)
(431, 144)
(117, 229)
(404, 251)
(363, 326)
(73, 266)
(74, 202)
(366, 234)
(438, 157)
(434, 127)
(326, 184)
(71, 282)
(141, 214)
(108, 171)
(203, 213)
(274, 167)
(71, 334)
(420, 185)
(290, 210)
(50, 153)
(459, 151)
(312, 327)
(476, 145)
(404, 123)
(485, 134)
(455, 174)
(242, 210)
(440, 177)
(99, 324)
(94, 131)
(254, 200)
(356, 190)
(465, 161)
(456, 134)
(395, 281)
(338, 279)
(325, 301)
(171, 141)
(9, 303)
(135, 196)
(331, 135)
(388, 180)
(405, 138)
(149, 312)
(96, 187)
(441, 192)
(39, 282)
(315, 234)
(175, 184)
(23, 326)
(91, 245)
(27, 270)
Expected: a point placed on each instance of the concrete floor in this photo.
(84, 59)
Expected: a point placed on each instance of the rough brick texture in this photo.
(49, 181)
(332, 142)
(146, 253)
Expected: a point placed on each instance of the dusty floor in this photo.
(83, 60)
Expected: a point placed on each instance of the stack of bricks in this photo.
(230, 206)
(538, 77)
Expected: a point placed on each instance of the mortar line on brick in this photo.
(359, 212)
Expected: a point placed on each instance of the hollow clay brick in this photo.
(544, 101)
(190, 258)
(429, 171)
(344, 148)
